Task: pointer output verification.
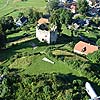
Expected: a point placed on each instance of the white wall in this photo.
(43, 35)
(63, 1)
(47, 36)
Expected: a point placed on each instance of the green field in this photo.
(15, 6)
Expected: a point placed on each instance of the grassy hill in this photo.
(21, 55)
(15, 6)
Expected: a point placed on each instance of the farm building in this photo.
(44, 33)
(84, 48)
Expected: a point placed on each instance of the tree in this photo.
(26, 29)
(52, 5)
(33, 15)
(2, 38)
(54, 19)
(82, 6)
(7, 23)
(98, 42)
(59, 17)
(95, 20)
(10, 22)
(21, 14)
(66, 16)
(94, 57)
(30, 12)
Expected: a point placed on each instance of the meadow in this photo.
(15, 6)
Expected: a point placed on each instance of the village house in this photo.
(73, 7)
(84, 48)
(64, 1)
(21, 21)
(44, 33)
(92, 2)
(92, 11)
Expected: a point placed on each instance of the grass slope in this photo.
(15, 6)
(35, 65)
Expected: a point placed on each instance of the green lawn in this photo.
(20, 6)
(35, 65)
(66, 31)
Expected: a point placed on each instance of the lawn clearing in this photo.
(35, 65)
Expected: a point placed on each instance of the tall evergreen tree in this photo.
(52, 5)
(82, 6)
(55, 20)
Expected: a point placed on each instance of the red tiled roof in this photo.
(43, 20)
(84, 48)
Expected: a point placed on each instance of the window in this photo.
(42, 39)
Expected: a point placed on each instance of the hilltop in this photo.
(21, 53)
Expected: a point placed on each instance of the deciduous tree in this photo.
(82, 6)
(52, 5)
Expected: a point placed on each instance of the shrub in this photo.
(98, 42)
(94, 57)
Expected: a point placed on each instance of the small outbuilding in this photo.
(21, 21)
(84, 48)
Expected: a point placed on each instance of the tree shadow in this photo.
(64, 39)
(12, 50)
(6, 54)
(94, 69)
(15, 70)
(89, 40)
(77, 81)
(11, 12)
(12, 39)
(70, 82)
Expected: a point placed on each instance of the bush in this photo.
(94, 57)
(45, 86)
(98, 42)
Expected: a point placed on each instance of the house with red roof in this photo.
(43, 21)
(84, 48)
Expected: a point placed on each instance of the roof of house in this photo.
(43, 21)
(23, 19)
(84, 48)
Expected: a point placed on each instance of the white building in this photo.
(62, 1)
(44, 34)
